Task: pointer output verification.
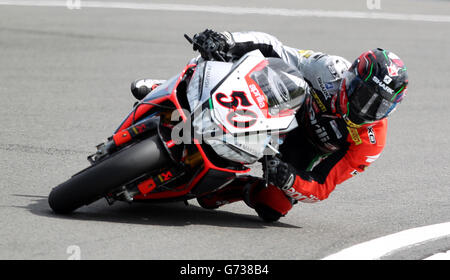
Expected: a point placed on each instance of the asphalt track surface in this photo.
(64, 87)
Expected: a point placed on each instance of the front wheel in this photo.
(97, 180)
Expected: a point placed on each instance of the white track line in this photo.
(233, 10)
(439, 257)
(376, 248)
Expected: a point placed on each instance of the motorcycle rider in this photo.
(342, 123)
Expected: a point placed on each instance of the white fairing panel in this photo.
(207, 75)
(245, 118)
(237, 118)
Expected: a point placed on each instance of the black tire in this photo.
(97, 180)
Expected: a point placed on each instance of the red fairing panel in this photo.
(365, 147)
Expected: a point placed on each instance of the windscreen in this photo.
(282, 84)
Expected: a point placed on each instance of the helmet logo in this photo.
(394, 58)
(387, 80)
(382, 85)
(393, 70)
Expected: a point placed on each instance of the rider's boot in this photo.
(226, 195)
(270, 203)
(140, 88)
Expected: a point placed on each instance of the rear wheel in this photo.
(99, 179)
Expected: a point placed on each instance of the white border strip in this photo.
(379, 247)
(233, 10)
(439, 257)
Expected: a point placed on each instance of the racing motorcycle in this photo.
(192, 135)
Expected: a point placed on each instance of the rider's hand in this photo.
(279, 173)
(212, 45)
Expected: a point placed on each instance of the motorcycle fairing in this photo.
(207, 75)
(242, 107)
(166, 91)
(239, 124)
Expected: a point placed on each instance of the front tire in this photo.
(97, 180)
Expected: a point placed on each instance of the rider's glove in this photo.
(279, 173)
(212, 45)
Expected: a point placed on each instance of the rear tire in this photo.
(99, 179)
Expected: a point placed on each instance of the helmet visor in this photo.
(364, 104)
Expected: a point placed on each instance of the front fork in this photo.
(145, 183)
(123, 137)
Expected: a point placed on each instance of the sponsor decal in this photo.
(147, 186)
(329, 85)
(292, 192)
(260, 99)
(371, 135)
(335, 129)
(382, 85)
(318, 101)
(387, 80)
(206, 80)
(323, 88)
(318, 129)
(315, 107)
(354, 172)
(333, 71)
(396, 60)
(392, 70)
(165, 176)
(354, 135)
(350, 123)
